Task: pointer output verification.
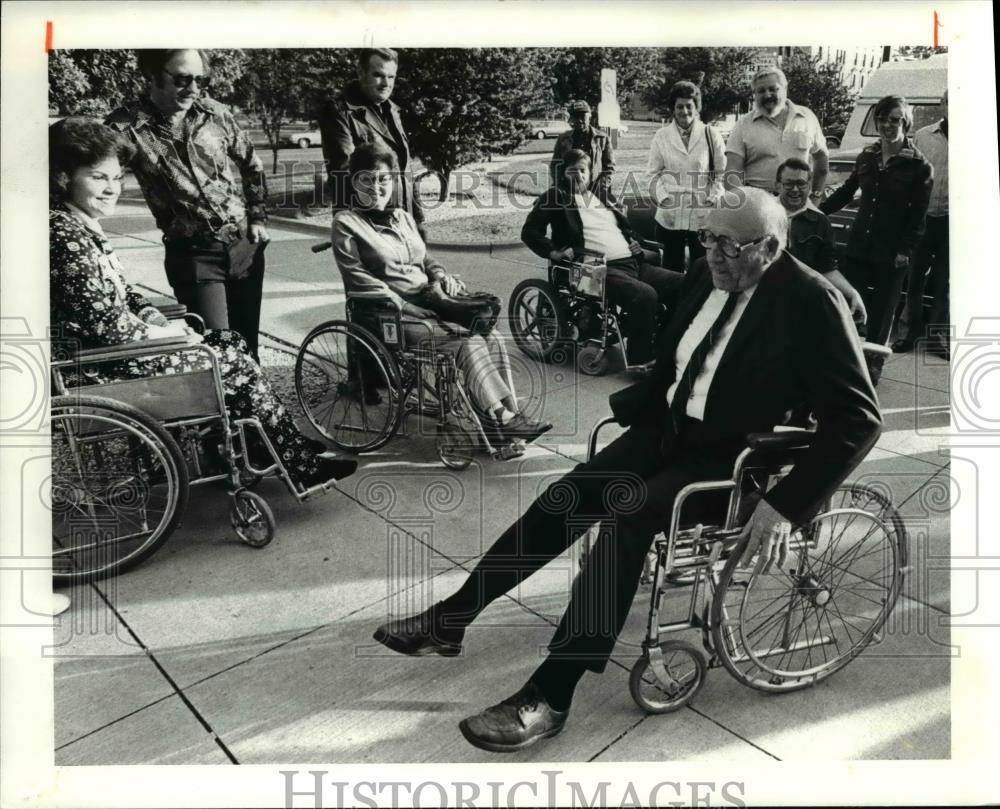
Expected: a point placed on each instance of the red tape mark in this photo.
(48, 36)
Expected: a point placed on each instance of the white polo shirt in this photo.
(694, 334)
(764, 145)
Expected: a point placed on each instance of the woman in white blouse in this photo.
(686, 162)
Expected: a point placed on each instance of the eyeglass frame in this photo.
(740, 247)
(184, 80)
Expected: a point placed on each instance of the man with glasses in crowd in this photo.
(773, 131)
(810, 234)
(756, 336)
(204, 185)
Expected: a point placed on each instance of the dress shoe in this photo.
(902, 346)
(524, 428)
(328, 469)
(420, 635)
(517, 722)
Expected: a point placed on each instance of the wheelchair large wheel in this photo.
(539, 320)
(349, 386)
(794, 626)
(119, 487)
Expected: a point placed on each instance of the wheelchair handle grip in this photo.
(319, 248)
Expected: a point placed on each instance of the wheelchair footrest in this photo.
(509, 451)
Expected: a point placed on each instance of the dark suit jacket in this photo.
(794, 347)
(555, 209)
(810, 240)
(346, 122)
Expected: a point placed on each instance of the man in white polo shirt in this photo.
(772, 132)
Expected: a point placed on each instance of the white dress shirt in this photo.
(694, 334)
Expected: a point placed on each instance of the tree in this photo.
(819, 87)
(575, 73)
(463, 104)
(723, 74)
(92, 82)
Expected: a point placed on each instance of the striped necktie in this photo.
(678, 407)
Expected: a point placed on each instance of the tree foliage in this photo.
(721, 73)
(92, 82)
(819, 87)
(461, 105)
(575, 73)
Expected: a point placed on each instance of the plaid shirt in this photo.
(205, 184)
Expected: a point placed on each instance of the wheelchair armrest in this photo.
(786, 439)
(875, 349)
(169, 308)
(379, 297)
(159, 345)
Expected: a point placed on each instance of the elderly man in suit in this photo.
(364, 113)
(756, 336)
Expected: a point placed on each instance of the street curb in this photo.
(299, 226)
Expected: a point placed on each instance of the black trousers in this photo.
(639, 288)
(224, 284)
(674, 242)
(880, 285)
(629, 488)
(930, 266)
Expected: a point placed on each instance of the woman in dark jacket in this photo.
(579, 220)
(91, 302)
(895, 182)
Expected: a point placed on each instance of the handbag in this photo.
(475, 311)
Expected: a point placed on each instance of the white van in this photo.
(921, 82)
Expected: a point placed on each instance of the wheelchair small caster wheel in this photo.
(454, 446)
(251, 518)
(592, 360)
(515, 449)
(685, 667)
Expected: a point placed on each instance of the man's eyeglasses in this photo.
(893, 120)
(793, 185)
(729, 247)
(184, 80)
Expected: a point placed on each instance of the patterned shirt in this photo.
(207, 181)
(88, 298)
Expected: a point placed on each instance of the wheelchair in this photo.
(358, 380)
(125, 453)
(780, 631)
(571, 307)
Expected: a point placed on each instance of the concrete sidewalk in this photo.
(214, 653)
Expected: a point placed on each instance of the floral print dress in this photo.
(92, 305)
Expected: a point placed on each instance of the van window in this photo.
(923, 115)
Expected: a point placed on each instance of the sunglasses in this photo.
(184, 80)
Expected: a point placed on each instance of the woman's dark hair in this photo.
(76, 143)
(152, 60)
(887, 103)
(684, 89)
(368, 157)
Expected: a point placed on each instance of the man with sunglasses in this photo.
(204, 185)
(756, 336)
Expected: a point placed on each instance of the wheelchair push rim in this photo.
(800, 623)
(348, 386)
(119, 487)
(539, 321)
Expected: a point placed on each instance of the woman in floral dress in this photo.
(92, 304)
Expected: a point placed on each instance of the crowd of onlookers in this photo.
(762, 314)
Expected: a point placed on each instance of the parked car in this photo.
(303, 139)
(546, 127)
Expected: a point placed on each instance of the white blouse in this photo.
(675, 171)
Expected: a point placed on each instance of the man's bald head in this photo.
(753, 221)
